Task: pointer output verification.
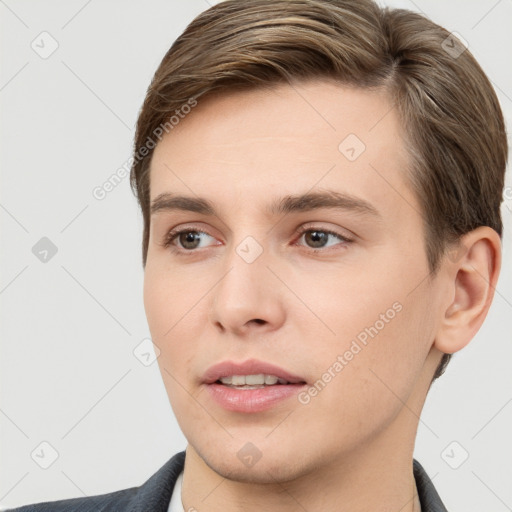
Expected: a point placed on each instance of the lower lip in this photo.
(252, 400)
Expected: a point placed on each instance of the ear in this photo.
(472, 268)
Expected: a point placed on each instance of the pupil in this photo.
(189, 237)
(318, 236)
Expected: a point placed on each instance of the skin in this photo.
(351, 447)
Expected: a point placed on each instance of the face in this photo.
(332, 289)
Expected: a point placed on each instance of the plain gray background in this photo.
(70, 325)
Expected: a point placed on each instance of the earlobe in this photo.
(473, 268)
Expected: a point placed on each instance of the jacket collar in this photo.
(429, 499)
(155, 494)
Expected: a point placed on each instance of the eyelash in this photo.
(173, 234)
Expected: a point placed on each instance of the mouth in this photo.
(255, 381)
(250, 374)
(252, 386)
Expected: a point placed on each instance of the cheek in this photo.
(167, 298)
(175, 315)
(172, 331)
(375, 323)
(363, 385)
(391, 351)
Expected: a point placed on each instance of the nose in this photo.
(248, 298)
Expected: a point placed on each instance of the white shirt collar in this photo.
(175, 504)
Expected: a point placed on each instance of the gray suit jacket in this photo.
(155, 494)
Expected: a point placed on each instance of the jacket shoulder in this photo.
(112, 502)
(154, 494)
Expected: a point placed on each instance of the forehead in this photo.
(284, 141)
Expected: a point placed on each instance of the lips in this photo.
(241, 390)
(250, 367)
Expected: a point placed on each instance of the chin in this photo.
(277, 467)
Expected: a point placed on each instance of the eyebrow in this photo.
(287, 204)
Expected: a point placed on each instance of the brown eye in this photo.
(189, 239)
(317, 238)
(185, 240)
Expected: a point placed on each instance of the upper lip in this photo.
(250, 367)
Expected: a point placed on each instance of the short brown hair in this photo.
(447, 106)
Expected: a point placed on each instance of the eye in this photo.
(189, 239)
(318, 238)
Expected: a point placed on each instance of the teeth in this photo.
(252, 380)
(238, 380)
(255, 379)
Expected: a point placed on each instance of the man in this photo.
(321, 232)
